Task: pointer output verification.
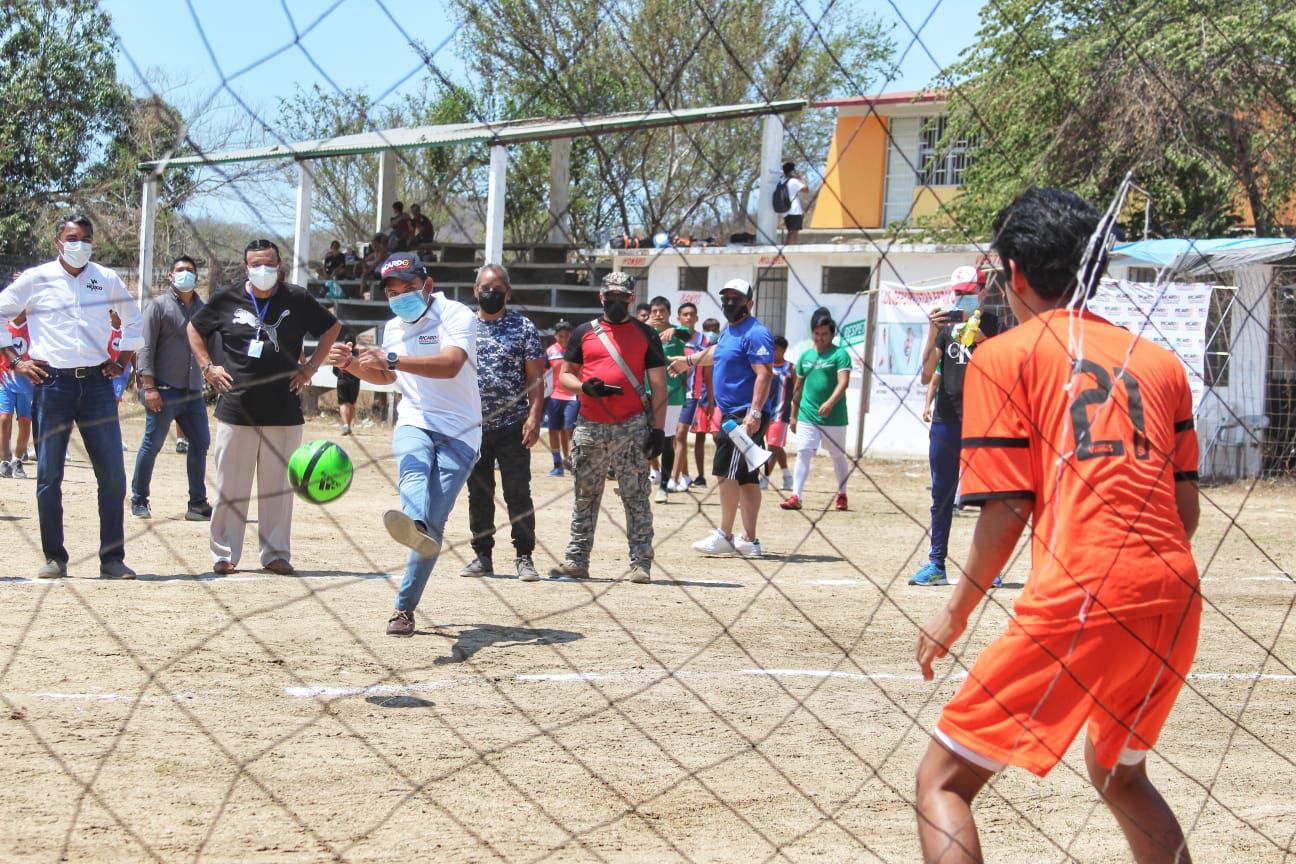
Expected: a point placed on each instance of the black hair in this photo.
(1045, 232)
(562, 325)
(660, 301)
(337, 243)
(780, 342)
(192, 263)
(711, 324)
(687, 304)
(398, 206)
(257, 245)
(822, 317)
(788, 168)
(379, 238)
(416, 207)
(642, 307)
(79, 219)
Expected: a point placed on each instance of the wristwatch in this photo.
(392, 360)
(757, 413)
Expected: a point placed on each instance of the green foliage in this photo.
(58, 97)
(1195, 96)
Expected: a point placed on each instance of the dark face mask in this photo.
(490, 302)
(734, 312)
(616, 311)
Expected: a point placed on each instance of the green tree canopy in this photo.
(1197, 97)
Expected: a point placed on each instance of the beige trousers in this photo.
(242, 451)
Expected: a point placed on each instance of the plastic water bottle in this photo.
(750, 450)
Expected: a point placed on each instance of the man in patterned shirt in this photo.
(510, 376)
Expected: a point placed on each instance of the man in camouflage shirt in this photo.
(614, 429)
(510, 375)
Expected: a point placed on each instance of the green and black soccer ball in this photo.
(320, 471)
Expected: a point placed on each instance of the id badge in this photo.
(255, 347)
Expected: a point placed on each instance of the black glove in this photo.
(596, 387)
(656, 444)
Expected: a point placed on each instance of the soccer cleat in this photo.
(841, 501)
(792, 502)
(140, 510)
(661, 496)
(640, 575)
(406, 532)
(716, 545)
(482, 566)
(930, 574)
(746, 548)
(115, 570)
(18, 472)
(570, 570)
(401, 623)
(526, 569)
(52, 569)
(6, 468)
(557, 471)
(182, 445)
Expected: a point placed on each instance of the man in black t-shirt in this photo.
(262, 325)
(945, 362)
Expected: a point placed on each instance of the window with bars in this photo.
(771, 298)
(846, 280)
(942, 163)
(693, 279)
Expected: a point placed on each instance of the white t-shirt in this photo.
(794, 187)
(451, 406)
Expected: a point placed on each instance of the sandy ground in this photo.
(732, 711)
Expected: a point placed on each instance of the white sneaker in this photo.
(764, 482)
(787, 480)
(716, 545)
(746, 548)
(661, 495)
(654, 477)
(683, 483)
(670, 485)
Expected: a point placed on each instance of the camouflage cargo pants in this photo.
(596, 447)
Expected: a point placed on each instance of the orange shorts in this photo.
(1028, 694)
(706, 422)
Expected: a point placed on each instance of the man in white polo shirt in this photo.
(68, 301)
(429, 351)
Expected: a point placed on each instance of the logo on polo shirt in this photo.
(94, 285)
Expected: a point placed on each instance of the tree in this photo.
(536, 58)
(59, 97)
(1197, 97)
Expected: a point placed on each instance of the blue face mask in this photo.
(408, 307)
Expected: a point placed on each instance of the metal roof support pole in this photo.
(148, 220)
(771, 168)
(495, 205)
(386, 189)
(560, 190)
(302, 226)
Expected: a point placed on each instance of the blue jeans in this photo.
(944, 446)
(187, 408)
(433, 470)
(88, 402)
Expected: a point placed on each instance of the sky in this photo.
(235, 58)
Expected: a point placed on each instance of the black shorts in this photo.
(348, 389)
(729, 462)
(793, 223)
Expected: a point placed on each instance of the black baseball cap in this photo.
(403, 265)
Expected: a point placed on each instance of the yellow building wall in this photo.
(855, 176)
(928, 200)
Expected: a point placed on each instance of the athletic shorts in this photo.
(687, 414)
(560, 414)
(1028, 694)
(16, 396)
(793, 222)
(813, 437)
(672, 418)
(348, 389)
(706, 422)
(777, 435)
(729, 462)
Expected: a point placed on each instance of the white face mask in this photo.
(263, 277)
(76, 253)
(185, 281)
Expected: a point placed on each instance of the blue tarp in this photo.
(1222, 253)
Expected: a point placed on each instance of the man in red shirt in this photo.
(1085, 430)
(617, 426)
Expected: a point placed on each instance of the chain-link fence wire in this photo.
(765, 583)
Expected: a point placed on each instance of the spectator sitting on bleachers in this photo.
(401, 238)
(369, 269)
(423, 230)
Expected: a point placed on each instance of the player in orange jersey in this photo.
(1087, 431)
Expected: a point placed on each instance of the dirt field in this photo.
(746, 711)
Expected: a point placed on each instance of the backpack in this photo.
(782, 200)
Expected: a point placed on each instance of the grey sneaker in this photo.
(141, 511)
(406, 532)
(479, 566)
(639, 575)
(52, 569)
(18, 472)
(570, 570)
(526, 569)
(6, 470)
(115, 570)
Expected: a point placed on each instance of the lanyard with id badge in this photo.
(257, 345)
